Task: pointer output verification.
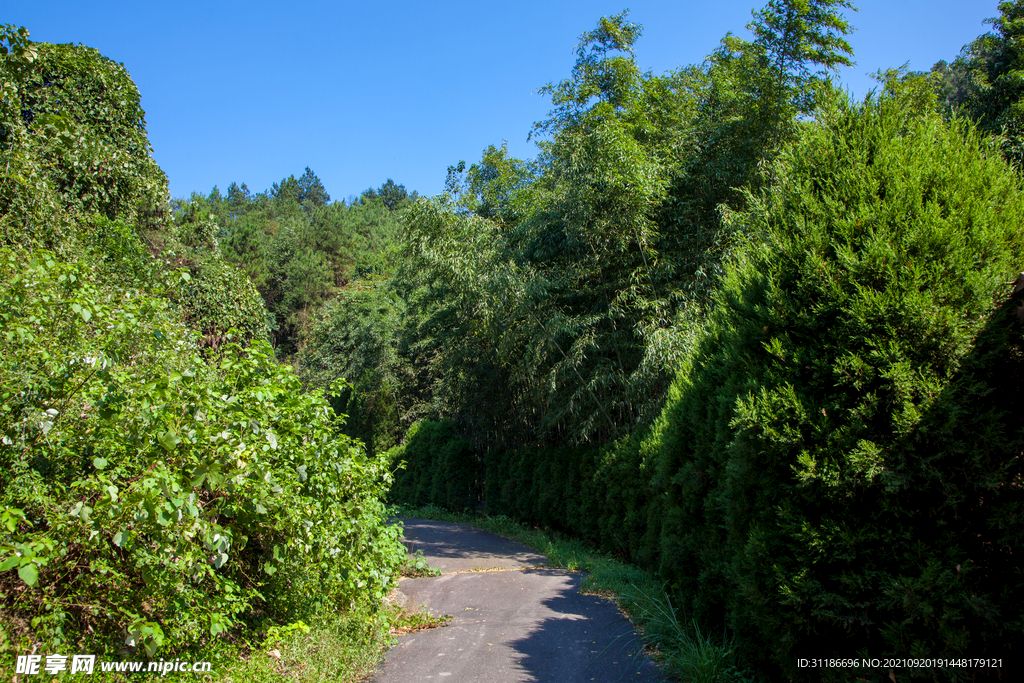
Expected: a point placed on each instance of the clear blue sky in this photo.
(360, 92)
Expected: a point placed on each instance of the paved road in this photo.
(515, 619)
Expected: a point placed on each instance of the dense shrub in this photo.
(218, 298)
(835, 467)
(73, 125)
(148, 494)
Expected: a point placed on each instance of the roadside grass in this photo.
(334, 648)
(688, 653)
(339, 647)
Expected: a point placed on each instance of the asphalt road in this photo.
(514, 618)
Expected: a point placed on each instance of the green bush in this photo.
(150, 496)
(73, 126)
(219, 297)
(838, 467)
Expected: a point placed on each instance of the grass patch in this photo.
(336, 648)
(688, 653)
(419, 621)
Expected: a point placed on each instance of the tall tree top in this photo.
(801, 40)
(307, 190)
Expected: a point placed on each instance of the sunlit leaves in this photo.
(174, 495)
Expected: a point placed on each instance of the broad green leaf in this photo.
(218, 624)
(29, 574)
(199, 478)
(169, 440)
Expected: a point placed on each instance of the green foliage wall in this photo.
(87, 110)
(839, 460)
(816, 499)
(437, 467)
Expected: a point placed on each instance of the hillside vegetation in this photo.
(754, 336)
(165, 481)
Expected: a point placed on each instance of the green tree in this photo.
(985, 82)
(798, 35)
(312, 193)
(590, 239)
(591, 263)
(392, 194)
(239, 200)
(775, 78)
(498, 187)
(287, 190)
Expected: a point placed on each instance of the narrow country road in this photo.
(515, 619)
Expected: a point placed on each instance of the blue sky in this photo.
(361, 92)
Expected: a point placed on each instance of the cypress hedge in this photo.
(438, 468)
(839, 468)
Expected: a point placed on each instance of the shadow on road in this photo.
(582, 638)
(530, 624)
